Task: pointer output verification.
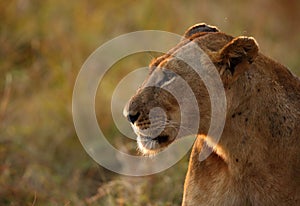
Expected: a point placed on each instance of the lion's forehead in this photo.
(208, 42)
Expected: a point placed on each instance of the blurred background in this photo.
(43, 45)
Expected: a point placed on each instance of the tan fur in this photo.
(257, 160)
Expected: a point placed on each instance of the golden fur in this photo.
(257, 160)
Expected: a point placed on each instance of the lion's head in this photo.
(155, 110)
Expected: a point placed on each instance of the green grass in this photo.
(43, 46)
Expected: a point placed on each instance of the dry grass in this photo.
(44, 44)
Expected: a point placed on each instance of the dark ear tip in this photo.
(201, 27)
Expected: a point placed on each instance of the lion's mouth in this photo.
(150, 145)
(161, 139)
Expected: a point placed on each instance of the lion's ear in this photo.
(239, 50)
(197, 28)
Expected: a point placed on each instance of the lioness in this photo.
(257, 159)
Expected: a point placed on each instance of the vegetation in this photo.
(43, 46)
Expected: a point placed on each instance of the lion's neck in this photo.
(262, 119)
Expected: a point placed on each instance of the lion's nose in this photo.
(131, 115)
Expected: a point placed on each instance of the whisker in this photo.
(151, 145)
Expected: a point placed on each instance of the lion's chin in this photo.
(151, 146)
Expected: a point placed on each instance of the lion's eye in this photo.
(168, 75)
(161, 78)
